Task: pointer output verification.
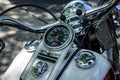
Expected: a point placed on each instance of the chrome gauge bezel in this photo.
(64, 45)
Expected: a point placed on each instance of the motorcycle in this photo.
(80, 45)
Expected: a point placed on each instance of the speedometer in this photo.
(57, 36)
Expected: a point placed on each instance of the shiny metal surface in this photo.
(52, 71)
(37, 28)
(31, 46)
(118, 7)
(102, 7)
(61, 59)
(79, 4)
(39, 69)
(97, 72)
(31, 75)
(68, 41)
(58, 64)
(85, 59)
(89, 10)
(74, 13)
(18, 65)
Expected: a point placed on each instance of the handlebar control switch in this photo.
(79, 12)
(62, 17)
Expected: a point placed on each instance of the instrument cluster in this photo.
(58, 36)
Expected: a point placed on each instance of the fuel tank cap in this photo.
(31, 46)
(85, 59)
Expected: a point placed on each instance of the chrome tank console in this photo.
(50, 54)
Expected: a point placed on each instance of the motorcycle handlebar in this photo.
(108, 5)
(4, 20)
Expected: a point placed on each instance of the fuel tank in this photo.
(91, 66)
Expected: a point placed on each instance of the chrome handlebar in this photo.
(39, 29)
(103, 7)
(21, 25)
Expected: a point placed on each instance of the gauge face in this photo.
(56, 36)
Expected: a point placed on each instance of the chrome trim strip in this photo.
(58, 63)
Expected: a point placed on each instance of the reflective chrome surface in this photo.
(74, 13)
(31, 46)
(85, 59)
(39, 69)
(32, 28)
(96, 72)
(102, 7)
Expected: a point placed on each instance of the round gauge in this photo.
(57, 36)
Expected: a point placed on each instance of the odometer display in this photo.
(56, 36)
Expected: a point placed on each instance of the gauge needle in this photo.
(56, 37)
